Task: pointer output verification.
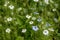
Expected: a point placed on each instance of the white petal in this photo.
(11, 7)
(28, 16)
(35, 28)
(54, 9)
(8, 30)
(9, 19)
(45, 32)
(24, 30)
(46, 1)
(51, 29)
(31, 22)
(36, 0)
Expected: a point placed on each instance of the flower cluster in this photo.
(30, 19)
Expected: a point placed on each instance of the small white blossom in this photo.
(8, 30)
(28, 16)
(45, 32)
(39, 19)
(46, 1)
(9, 19)
(33, 18)
(31, 22)
(36, 0)
(11, 7)
(24, 30)
(35, 28)
(51, 29)
(54, 9)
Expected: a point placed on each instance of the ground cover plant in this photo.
(29, 19)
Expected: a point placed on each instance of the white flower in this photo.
(24, 30)
(31, 22)
(35, 28)
(28, 16)
(45, 32)
(8, 30)
(51, 29)
(46, 1)
(36, 0)
(54, 9)
(11, 7)
(39, 19)
(9, 19)
(33, 18)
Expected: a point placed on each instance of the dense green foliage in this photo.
(16, 15)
